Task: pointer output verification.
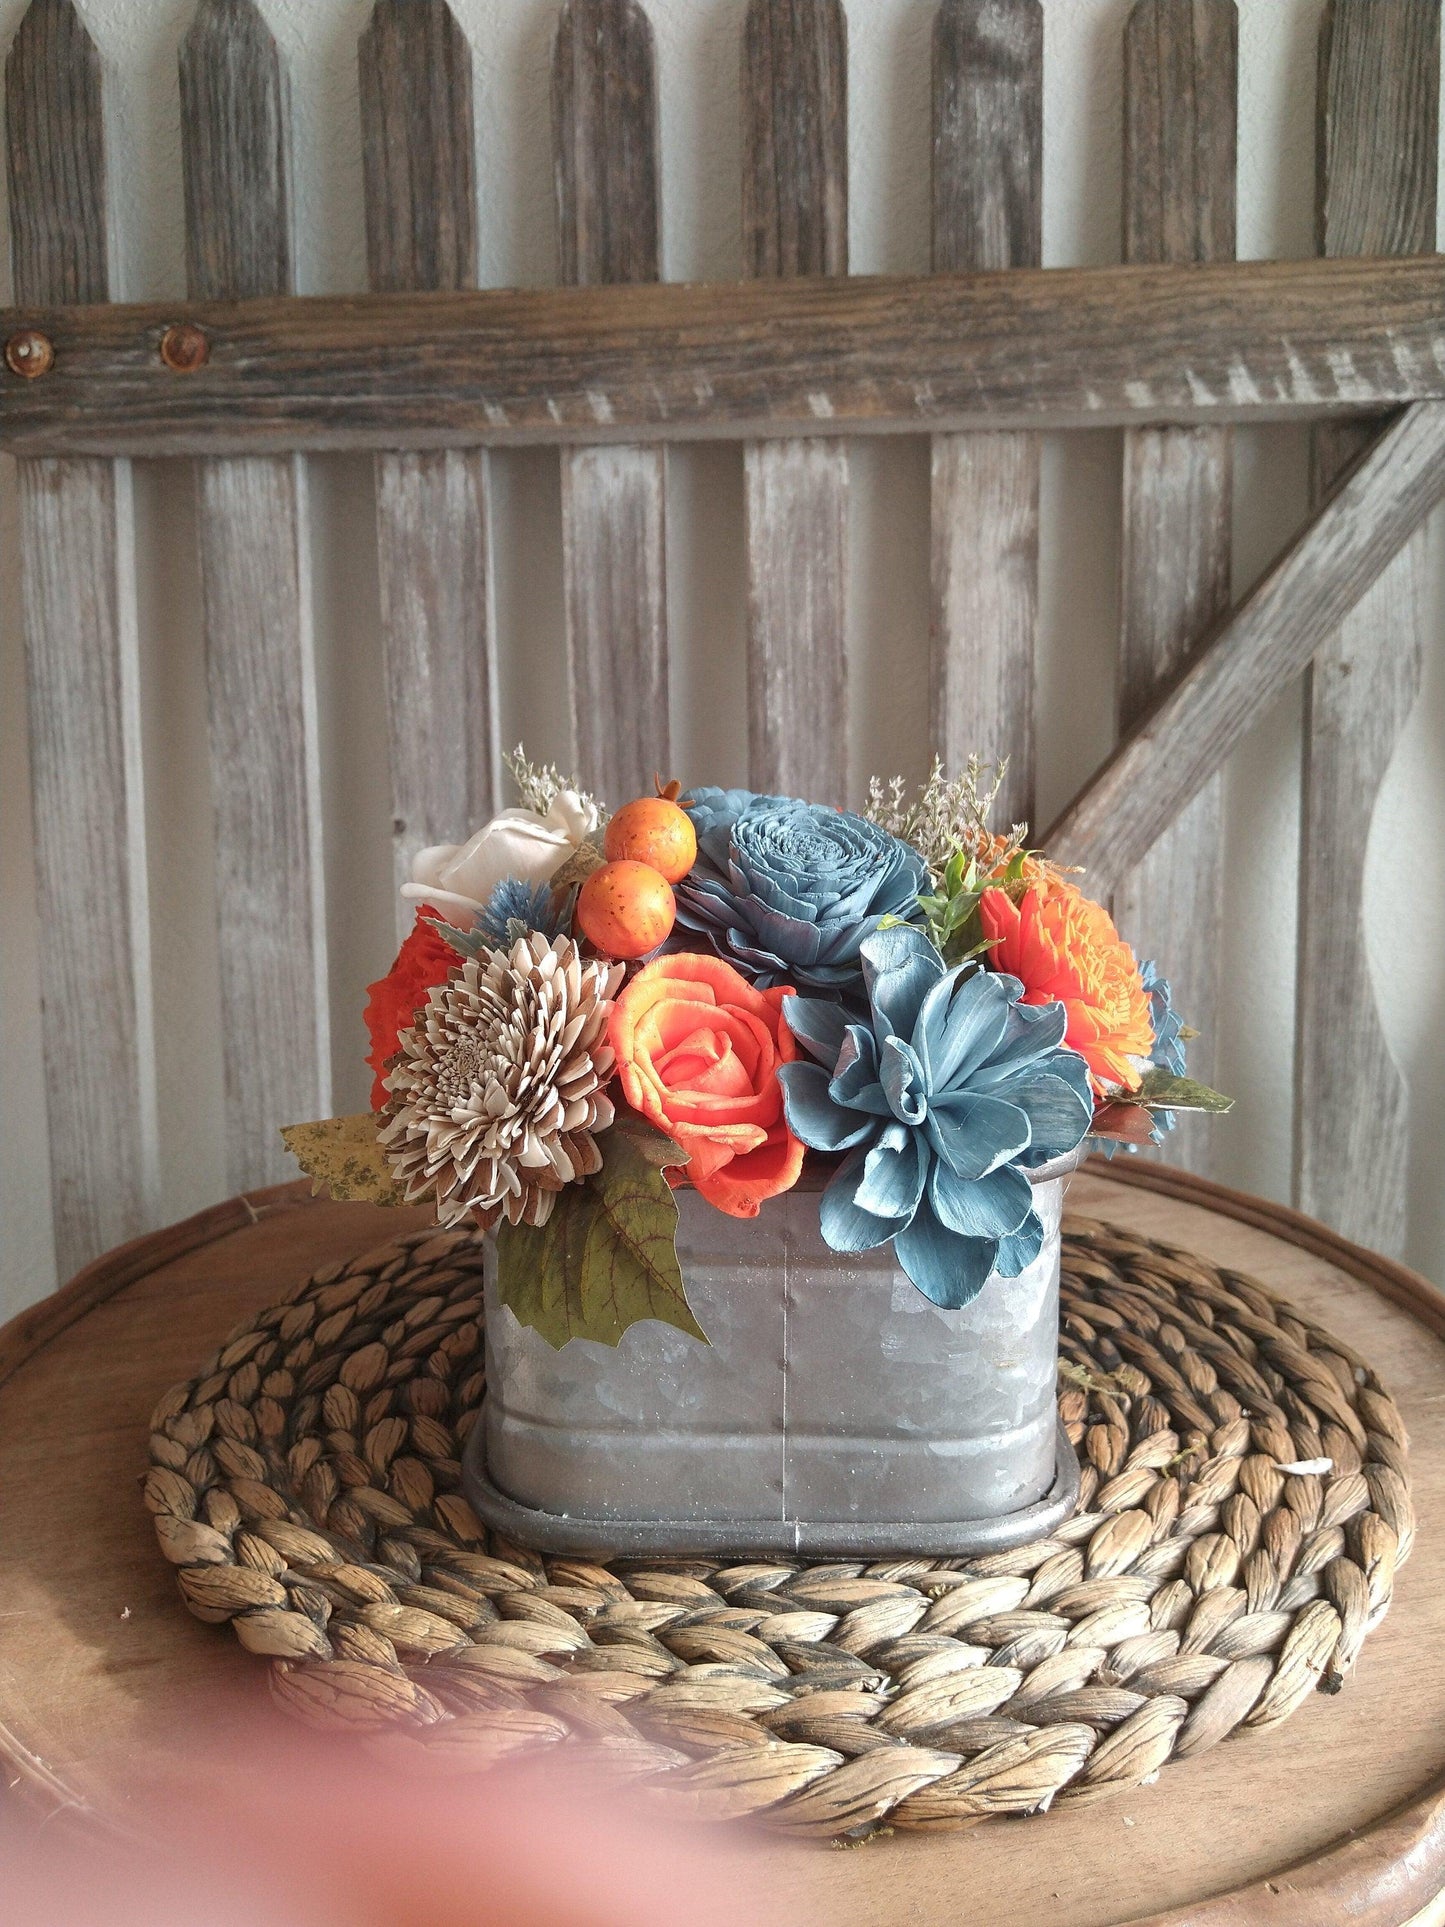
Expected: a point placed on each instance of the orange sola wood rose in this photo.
(425, 960)
(698, 1050)
(1063, 948)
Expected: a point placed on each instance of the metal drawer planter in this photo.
(836, 1411)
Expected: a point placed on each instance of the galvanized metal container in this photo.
(835, 1410)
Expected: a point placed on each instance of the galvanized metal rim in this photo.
(626, 1538)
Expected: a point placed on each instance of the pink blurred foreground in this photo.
(308, 1837)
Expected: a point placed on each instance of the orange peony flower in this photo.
(1065, 949)
(424, 960)
(698, 1050)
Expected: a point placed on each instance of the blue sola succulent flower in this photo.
(943, 1102)
(1168, 1052)
(787, 891)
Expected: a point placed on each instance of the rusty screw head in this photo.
(185, 347)
(29, 353)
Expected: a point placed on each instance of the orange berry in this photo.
(626, 909)
(656, 831)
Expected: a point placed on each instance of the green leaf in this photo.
(586, 858)
(607, 1256)
(980, 949)
(1161, 1091)
(341, 1155)
(470, 943)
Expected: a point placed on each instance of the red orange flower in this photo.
(424, 960)
(698, 1050)
(1065, 949)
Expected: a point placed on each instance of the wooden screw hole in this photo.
(185, 347)
(30, 354)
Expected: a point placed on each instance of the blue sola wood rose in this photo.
(787, 891)
(943, 1101)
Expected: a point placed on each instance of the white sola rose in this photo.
(454, 877)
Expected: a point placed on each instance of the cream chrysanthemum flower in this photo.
(501, 1082)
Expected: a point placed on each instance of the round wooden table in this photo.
(1338, 1814)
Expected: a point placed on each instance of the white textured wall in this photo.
(698, 53)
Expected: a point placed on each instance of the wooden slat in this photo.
(1034, 348)
(605, 145)
(795, 222)
(432, 508)
(255, 592)
(83, 680)
(988, 155)
(1181, 60)
(418, 153)
(1379, 90)
(1256, 651)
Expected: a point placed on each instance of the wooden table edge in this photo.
(1382, 1876)
(32, 1329)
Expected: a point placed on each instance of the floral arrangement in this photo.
(723, 989)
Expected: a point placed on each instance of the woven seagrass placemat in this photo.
(1245, 1504)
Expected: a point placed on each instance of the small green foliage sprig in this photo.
(947, 822)
(952, 910)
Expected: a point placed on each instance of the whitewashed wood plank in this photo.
(82, 663)
(1379, 131)
(432, 509)
(606, 160)
(987, 214)
(270, 903)
(795, 222)
(1180, 110)
(613, 535)
(796, 518)
(256, 606)
(434, 557)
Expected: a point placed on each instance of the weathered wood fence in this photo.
(1175, 348)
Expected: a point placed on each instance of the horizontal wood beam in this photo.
(1030, 348)
(1254, 652)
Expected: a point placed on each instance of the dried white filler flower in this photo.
(501, 1081)
(539, 785)
(946, 814)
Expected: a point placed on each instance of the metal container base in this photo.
(821, 1538)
